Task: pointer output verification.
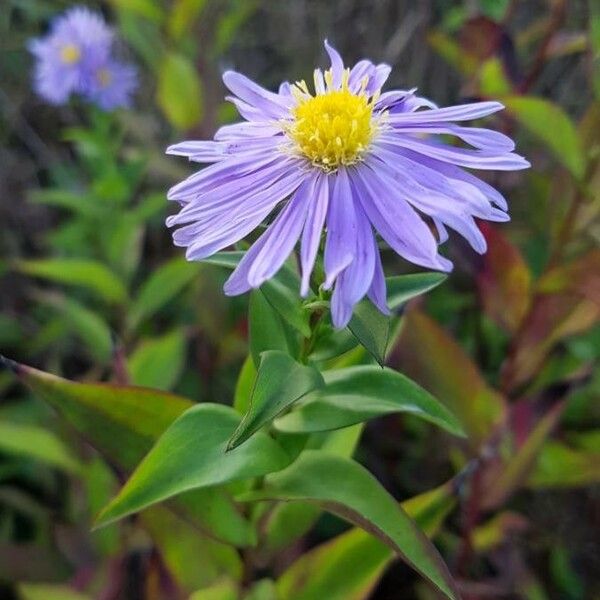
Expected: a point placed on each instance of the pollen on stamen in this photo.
(332, 128)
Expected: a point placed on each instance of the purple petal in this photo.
(377, 292)
(270, 104)
(311, 236)
(462, 112)
(462, 157)
(337, 65)
(484, 139)
(395, 220)
(341, 228)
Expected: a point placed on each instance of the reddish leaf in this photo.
(504, 280)
(429, 355)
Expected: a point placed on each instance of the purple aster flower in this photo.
(78, 42)
(111, 85)
(348, 160)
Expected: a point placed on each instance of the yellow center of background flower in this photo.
(334, 128)
(104, 77)
(70, 54)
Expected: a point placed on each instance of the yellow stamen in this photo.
(104, 77)
(333, 128)
(70, 54)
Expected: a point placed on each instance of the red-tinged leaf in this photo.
(516, 469)
(566, 303)
(123, 423)
(581, 277)
(347, 489)
(430, 356)
(349, 566)
(504, 280)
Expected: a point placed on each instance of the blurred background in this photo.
(92, 289)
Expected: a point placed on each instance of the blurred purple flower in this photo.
(349, 160)
(111, 85)
(75, 57)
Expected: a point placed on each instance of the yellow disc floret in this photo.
(104, 77)
(333, 128)
(70, 54)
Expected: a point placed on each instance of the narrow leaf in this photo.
(347, 489)
(550, 124)
(360, 393)
(162, 286)
(280, 382)
(86, 273)
(157, 363)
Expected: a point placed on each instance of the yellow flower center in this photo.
(104, 77)
(333, 128)
(70, 54)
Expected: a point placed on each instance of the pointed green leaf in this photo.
(402, 288)
(349, 566)
(86, 273)
(37, 443)
(179, 93)
(123, 422)
(280, 382)
(191, 454)
(281, 291)
(266, 329)
(347, 489)
(360, 393)
(158, 362)
(163, 285)
(371, 327)
(551, 124)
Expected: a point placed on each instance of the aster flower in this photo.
(348, 160)
(76, 57)
(111, 85)
(78, 42)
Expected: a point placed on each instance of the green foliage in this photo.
(347, 489)
(357, 394)
(279, 383)
(193, 454)
(231, 498)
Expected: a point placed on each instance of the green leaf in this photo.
(193, 559)
(347, 489)
(371, 327)
(244, 386)
(280, 382)
(191, 454)
(349, 566)
(161, 287)
(429, 355)
(86, 273)
(158, 363)
(38, 443)
(550, 124)
(266, 330)
(49, 591)
(87, 324)
(361, 393)
(123, 423)
(222, 590)
(282, 291)
(402, 288)
(179, 91)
